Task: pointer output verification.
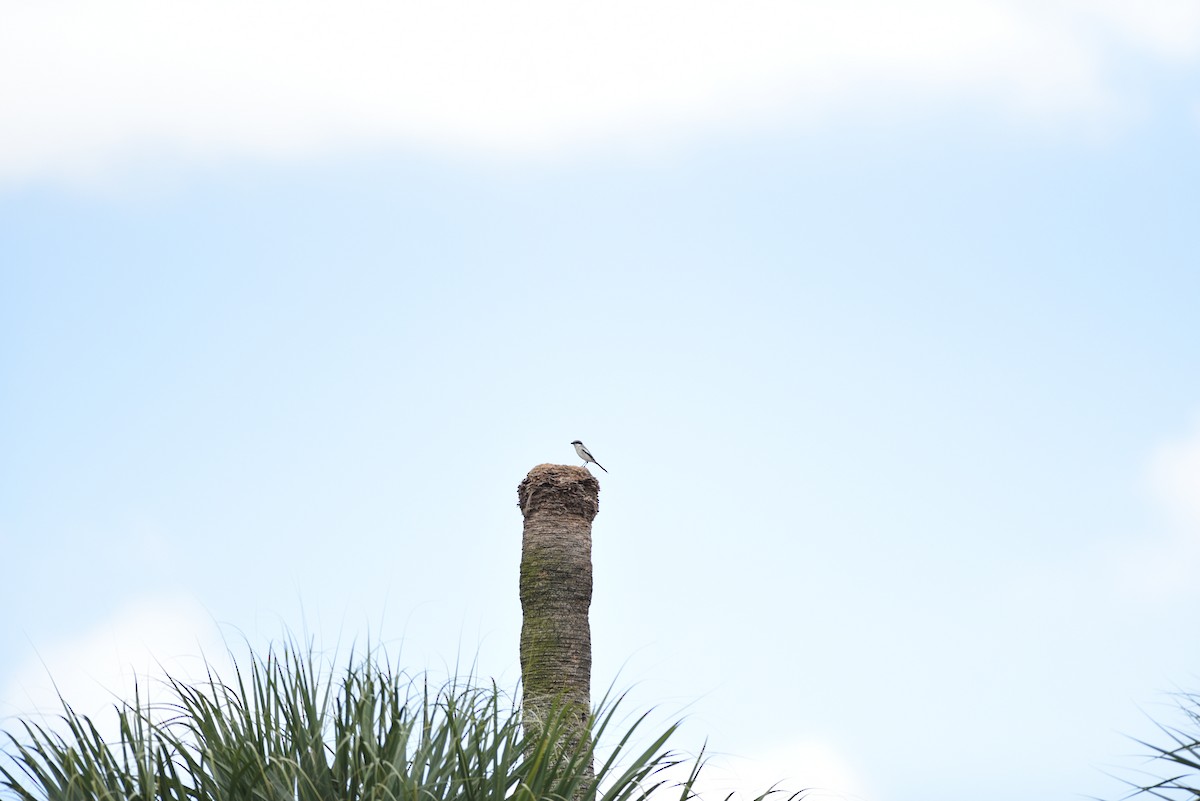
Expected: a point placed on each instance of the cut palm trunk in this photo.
(559, 503)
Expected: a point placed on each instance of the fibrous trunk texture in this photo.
(559, 503)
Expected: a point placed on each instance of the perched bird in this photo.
(586, 455)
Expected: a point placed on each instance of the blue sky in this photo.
(883, 321)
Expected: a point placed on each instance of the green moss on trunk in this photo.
(559, 503)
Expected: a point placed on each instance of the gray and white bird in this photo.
(586, 455)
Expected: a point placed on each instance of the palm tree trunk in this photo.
(559, 503)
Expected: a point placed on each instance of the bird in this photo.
(586, 455)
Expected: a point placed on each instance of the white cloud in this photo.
(86, 86)
(1156, 565)
(140, 643)
(1162, 567)
(812, 766)
(1174, 477)
(1169, 28)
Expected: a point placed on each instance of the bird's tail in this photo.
(601, 467)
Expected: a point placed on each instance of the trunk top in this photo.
(559, 487)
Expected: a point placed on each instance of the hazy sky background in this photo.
(883, 317)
